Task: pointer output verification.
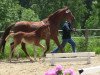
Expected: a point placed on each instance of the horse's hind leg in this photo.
(24, 49)
(13, 46)
(48, 45)
(2, 46)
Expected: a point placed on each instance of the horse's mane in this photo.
(56, 12)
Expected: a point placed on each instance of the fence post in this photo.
(52, 60)
(86, 37)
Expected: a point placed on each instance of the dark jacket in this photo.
(66, 34)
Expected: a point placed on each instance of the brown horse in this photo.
(52, 20)
(33, 37)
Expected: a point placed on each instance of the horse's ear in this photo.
(65, 7)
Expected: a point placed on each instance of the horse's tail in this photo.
(10, 35)
(5, 34)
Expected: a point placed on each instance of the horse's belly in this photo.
(27, 41)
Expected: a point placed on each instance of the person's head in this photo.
(67, 21)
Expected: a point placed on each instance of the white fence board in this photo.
(77, 54)
(65, 57)
(90, 70)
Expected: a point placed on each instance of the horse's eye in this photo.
(67, 11)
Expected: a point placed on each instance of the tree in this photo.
(98, 7)
(16, 10)
(11, 11)
(25, 3)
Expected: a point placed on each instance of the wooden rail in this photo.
(76, 30)
(85, 29)
(89, 71)
(64, 57)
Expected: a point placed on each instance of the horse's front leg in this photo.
(55, 38)
(12, 46)
(48, 46)
(25, 51)
(43, 47)
(11, 51)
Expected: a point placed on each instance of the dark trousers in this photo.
(73, 45)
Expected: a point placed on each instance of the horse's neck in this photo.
(41, 32)
(45, 21)
(56, 20)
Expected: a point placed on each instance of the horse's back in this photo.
(26, 37)
(26, 26)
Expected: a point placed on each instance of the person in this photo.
(66, 37)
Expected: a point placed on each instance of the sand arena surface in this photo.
(24, 67)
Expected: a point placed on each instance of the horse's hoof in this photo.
(44, 55)
(43, 60)
(9, 60)
(31, 60)
(35, 60)
(63, 51)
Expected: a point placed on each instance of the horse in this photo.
(53, 20)
(33, 37)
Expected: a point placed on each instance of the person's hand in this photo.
(74, 29)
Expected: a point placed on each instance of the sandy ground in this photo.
(24, 67)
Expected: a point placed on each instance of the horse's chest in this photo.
(45, 33)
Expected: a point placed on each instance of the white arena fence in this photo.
(66, 57)
(89, 71)
(78, 30)
(87, 32)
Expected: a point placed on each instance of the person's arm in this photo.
(66, 27)
(72, 29)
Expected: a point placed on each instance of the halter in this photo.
(42, 23)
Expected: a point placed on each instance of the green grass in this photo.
(93, 45)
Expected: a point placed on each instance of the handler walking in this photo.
(66, 37)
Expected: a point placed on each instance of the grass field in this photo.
(81, 46)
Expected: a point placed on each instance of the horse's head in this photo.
(61, 14)
(68, 14)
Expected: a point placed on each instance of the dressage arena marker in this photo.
(64, 57)
(91, 70)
